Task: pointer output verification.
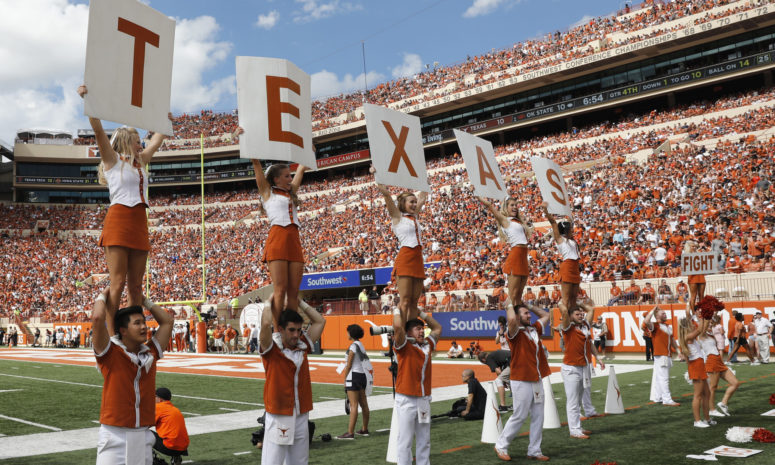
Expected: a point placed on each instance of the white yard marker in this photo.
(228, 409)
(11, 390)
(30, 423)
(322, 397)
(243, 453)
(191, 413)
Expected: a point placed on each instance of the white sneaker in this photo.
(723, 408)
(711, 422)
(701, 424)
(716, 413)
(753, 364)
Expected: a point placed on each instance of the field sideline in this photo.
(54, 402)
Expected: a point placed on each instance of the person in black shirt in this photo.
(477, 397)
(499, 363)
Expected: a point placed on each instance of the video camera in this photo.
(379, 330)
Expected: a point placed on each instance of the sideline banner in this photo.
(483, 172)
(275, 110)
(395, 142)
(475, 324)
(129, 64)
(351, 278)
(552, 185)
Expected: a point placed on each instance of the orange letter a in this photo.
(485, 173)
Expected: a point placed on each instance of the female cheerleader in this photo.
(513, 226)
(696, 281)
(125, 230)
(691, 349)
(570, 277)
(408, 266)
(713, 345)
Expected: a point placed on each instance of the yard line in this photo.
(11, 390)
(383, 430)
(30, 423)
(229, 409)
(322, 397)
(191, 413)
(243, 453)
(99, 386)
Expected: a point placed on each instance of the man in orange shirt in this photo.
(171, 434)
(616, 294)
(127, 362)
(230, 338)
(288, 388)
(414, 353)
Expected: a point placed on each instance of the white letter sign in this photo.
(275, 110)
(395, 142)
(552, 185)
(698, 263)
(129, 64)
(481, 165)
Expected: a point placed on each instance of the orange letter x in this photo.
(399, 153)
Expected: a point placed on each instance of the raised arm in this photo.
(512, 322)
(165, 321)
(502, 220)
(264, 189)
(317, 322)
(107, 154)
(265, 334)
(153, 145)
(399, 333)
(99, 315)
(393, 211)
(649, 316)
(527, 225)
(434, 325)
(297, 178)
(422, 197)
(543, 315)
(555, 230)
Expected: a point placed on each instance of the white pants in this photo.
(573, 379)
(524, 404)
(410, 428)
(295, 454)
(112, 446)
(763, 341)
(660, 386)
(586, 398)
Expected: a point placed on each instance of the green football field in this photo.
(67, 397)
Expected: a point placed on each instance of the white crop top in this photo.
(695, 350)
(708, 345)
(515, 233)
(568, 249)
(408, 232)
(280, 209)
(127, 184)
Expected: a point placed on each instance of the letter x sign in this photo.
(396, 148)
(129, 64)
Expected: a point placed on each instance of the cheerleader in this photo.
(124, 234)
(569, 267)
(713, 345)
(691, 350)
(696, 281)
(408, 266)
(514, 228)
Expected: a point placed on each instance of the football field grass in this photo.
(67, 398)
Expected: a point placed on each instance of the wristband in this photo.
(423, 315)
(101, 297)
(147, 303)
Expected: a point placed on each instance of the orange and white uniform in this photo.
(516, 262)
(409, 261)
(713, 360)
(125, 223)
(283, 241)
(288, 400)
(127, 408)
(569, 267)
(576, 372)
(528, 366)
(413, 400)
(171, 426)
(696, 363)
(661, 337)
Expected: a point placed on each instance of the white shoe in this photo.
(716, 413)
(723, 408)
(753, 364)
(701, 424)
(711, 422)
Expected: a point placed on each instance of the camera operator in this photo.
(413, 385)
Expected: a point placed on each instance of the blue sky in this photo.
(43, 45)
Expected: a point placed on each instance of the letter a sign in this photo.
(552, 185)
(395, 141)
(481, 165)
(275, 110)
(129, 64)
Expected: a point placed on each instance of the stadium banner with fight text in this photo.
(482, 167)
(395, 141)
(343, 158)
(351, 278)
(129, 64)
(698, 263)
(275, 110)
(482, 324)
(552, 185)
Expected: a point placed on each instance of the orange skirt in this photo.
(696, 279)
(714, 364)
(697, 369)
(283, 243)
(516, 262)
(409, 263)
(126, 227)
(569, 272)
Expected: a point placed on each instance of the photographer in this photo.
(499, 362)
(413, 385)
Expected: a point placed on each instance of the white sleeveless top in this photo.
(515, 233)
(280, 209)
(708, 345)
(126, 184)
(357, 366)
(408, 232)
(568, 249)
(695, 350)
